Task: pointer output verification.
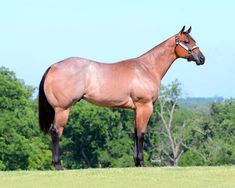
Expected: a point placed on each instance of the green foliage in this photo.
(222, 127)
(103, 137)
(190, 158)
(168, 126)
(96, 137)
(119, 145)
(21, 147)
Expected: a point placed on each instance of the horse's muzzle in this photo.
(199, 58)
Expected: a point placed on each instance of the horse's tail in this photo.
(45, 111)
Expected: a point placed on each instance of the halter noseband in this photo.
(188, 49)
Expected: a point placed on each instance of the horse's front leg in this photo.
(142, 114)
(138, 151)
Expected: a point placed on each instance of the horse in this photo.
(132, 84)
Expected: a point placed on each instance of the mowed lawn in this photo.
(172, 177)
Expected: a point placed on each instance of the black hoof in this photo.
(58, 166)
(139, 163)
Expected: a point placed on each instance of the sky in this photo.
(36, 34)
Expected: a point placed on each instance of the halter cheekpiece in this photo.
(183, 45)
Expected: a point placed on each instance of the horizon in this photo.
(40, 33)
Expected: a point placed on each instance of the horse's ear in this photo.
(182, 30)
(189, 30)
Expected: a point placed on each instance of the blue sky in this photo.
(36, 34)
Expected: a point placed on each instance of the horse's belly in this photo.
(110, 101)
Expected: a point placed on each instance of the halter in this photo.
(184, 46)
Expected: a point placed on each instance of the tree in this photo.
(168, 102)
(222, 126)
(213, 134)
(119, 145)
(97, 137)
(171, 124)
(21, 147)
(197, 140)
(103, 137)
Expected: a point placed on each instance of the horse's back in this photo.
(110, 84)
(99, 83)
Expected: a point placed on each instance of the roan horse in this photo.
(132, 83)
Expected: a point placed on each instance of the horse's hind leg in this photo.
(61, 118)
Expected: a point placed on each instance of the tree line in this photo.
(103, 137)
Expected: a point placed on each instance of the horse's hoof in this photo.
(58, 167)
(139, 163)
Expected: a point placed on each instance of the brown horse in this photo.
(132, 83)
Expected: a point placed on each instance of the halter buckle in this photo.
(177, 41)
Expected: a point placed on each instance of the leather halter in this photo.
(184, 46)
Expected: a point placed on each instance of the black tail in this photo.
(45, 111)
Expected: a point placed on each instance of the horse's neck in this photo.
(159, 59)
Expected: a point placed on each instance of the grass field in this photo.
(172, 177)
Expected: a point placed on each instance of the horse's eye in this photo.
(186, 42)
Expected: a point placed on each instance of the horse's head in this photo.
(186, 47)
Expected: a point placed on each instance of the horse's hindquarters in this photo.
(65, 84)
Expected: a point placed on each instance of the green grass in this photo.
(172, 177)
